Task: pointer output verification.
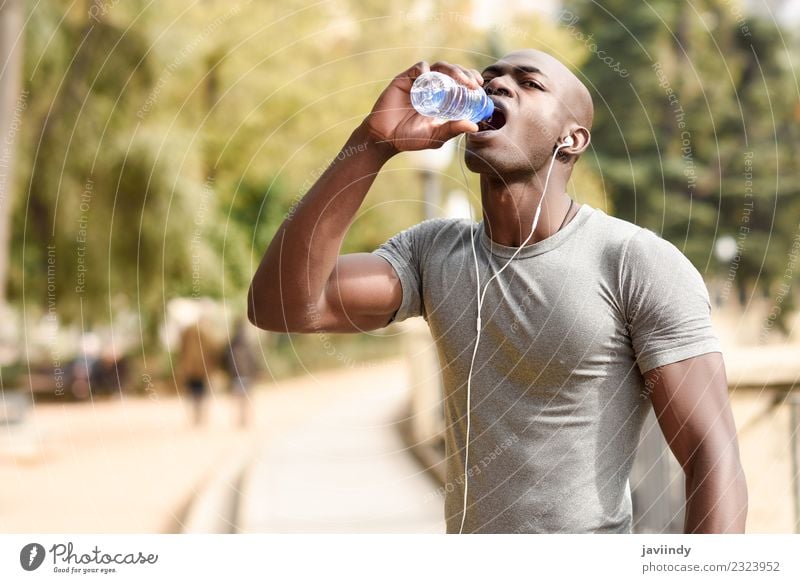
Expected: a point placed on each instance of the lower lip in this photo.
(481, 136)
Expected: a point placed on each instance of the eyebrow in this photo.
(516, 68)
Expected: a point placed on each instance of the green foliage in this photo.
(196, 129)
(695, 143)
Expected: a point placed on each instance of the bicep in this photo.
(690, 400)
(362, 293)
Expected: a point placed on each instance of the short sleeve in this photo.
(406, 253)
(666, 303)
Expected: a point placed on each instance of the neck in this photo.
(510, 206)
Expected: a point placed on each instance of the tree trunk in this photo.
(12, 104)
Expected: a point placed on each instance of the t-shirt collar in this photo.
(553, 241)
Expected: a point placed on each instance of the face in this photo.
(529, 115)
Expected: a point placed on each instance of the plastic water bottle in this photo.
(437, 95)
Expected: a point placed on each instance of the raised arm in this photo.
(690, 400)
(295, 286)
(302, 283)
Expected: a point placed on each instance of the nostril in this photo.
(495, 91)
(491, 89)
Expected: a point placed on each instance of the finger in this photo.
(456, 72)
(453, 128)
(418, 69)
(477, 74)
(473, 81)
(406, 78)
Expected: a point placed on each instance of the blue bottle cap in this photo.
(486, 112)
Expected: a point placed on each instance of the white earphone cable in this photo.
(481, 297)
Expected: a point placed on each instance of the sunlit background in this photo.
(150, 150)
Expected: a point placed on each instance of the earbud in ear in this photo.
(568, 141)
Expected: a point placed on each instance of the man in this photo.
(592, 321)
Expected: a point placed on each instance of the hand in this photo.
(394, 122)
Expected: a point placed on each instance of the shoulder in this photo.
(608, 238)
(430, 232)
(640, 261)
(441, 227)
(648, 250)
(654, 267)
(631, 244)
(415, 244)
(615, 232)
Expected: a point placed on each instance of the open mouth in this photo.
(497, 121)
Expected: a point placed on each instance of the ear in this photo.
(580, 141)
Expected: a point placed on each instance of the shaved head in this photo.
(574, 93)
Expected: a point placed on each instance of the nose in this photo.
(498, 86)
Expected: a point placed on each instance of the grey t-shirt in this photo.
(558, 397)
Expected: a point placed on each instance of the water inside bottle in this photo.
(437, 95)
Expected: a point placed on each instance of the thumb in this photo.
(454, 128)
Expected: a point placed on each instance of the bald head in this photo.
(574, 94)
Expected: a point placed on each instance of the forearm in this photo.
(716, 495)
(298, 262)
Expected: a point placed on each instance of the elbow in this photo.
(720, 468)
(739, 500)
(741, 490)
(254, 318)
(716, 484)
(275, 316)
(735, 482)
(260, 316)
(262, 320)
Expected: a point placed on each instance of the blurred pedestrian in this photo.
(110, 372)
(241, 365)
(197, 358)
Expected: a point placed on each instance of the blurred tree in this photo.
(11, 105)
(694, 142)
(167, 142)
(98, 189)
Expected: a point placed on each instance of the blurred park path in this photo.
(323, 454)
(345, 470)
(111, 466)
(137, 465)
